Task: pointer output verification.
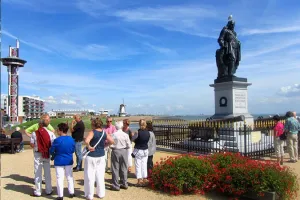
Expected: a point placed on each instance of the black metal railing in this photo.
(207, 137)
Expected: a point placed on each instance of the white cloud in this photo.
(92, 51)
(291, 90)
(143, 35)
(270, 30)
(36, 46)
(46, 7)
(174, 108)
(268, 100)
(187, 14)
(161, 50)
(68, 102)
(179, 107)
(189, 19)
(179, 86)
(139, 106)
(168, 108)
(50, 100)
(92, 7)
(166, 81)
(75, 80)
(268, 46)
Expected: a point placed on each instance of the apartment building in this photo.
(29, 107)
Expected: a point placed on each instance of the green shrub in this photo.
(228, 173)
(180, 174)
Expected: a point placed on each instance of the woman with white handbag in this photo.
(140, 153)
(94, 163)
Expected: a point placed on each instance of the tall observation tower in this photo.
(13, 62)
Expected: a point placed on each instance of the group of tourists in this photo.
(108, 148)
(286, 132)
(104, 144)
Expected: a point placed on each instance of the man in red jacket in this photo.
(41, 141)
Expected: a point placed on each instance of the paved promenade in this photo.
(17, 181)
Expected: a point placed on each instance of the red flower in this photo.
(228, 178)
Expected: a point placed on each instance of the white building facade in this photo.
(61, 113)
(52, 114)
(29, 107)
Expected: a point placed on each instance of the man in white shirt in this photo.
(41, 141)
(119, 158)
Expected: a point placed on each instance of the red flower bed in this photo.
(228, 173)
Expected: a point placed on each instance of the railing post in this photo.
(245, 139)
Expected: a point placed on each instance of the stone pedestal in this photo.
(231, 98)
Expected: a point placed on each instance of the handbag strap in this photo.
(99, 139)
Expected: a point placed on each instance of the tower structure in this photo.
(13, 62)
(122, 112)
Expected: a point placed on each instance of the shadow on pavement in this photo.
(28, 189)
(25, 189)
(20, 178)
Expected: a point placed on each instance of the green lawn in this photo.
(54, 122)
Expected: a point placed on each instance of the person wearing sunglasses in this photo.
(109, 129)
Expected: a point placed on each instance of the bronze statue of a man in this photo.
(229, 54)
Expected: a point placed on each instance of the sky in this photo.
(159, 56)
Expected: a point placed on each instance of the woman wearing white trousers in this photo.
(140, 153)
(94, 165)
(62, 150)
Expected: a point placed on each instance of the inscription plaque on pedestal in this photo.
(231, 99)
(240, 99)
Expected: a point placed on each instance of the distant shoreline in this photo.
(134, 119)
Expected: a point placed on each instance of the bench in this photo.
(9, 142)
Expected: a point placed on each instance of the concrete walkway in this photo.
(17, 181)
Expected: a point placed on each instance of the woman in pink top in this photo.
(278, 131)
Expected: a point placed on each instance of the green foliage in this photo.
(180, 174)
(228, 173)
(223, 160)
